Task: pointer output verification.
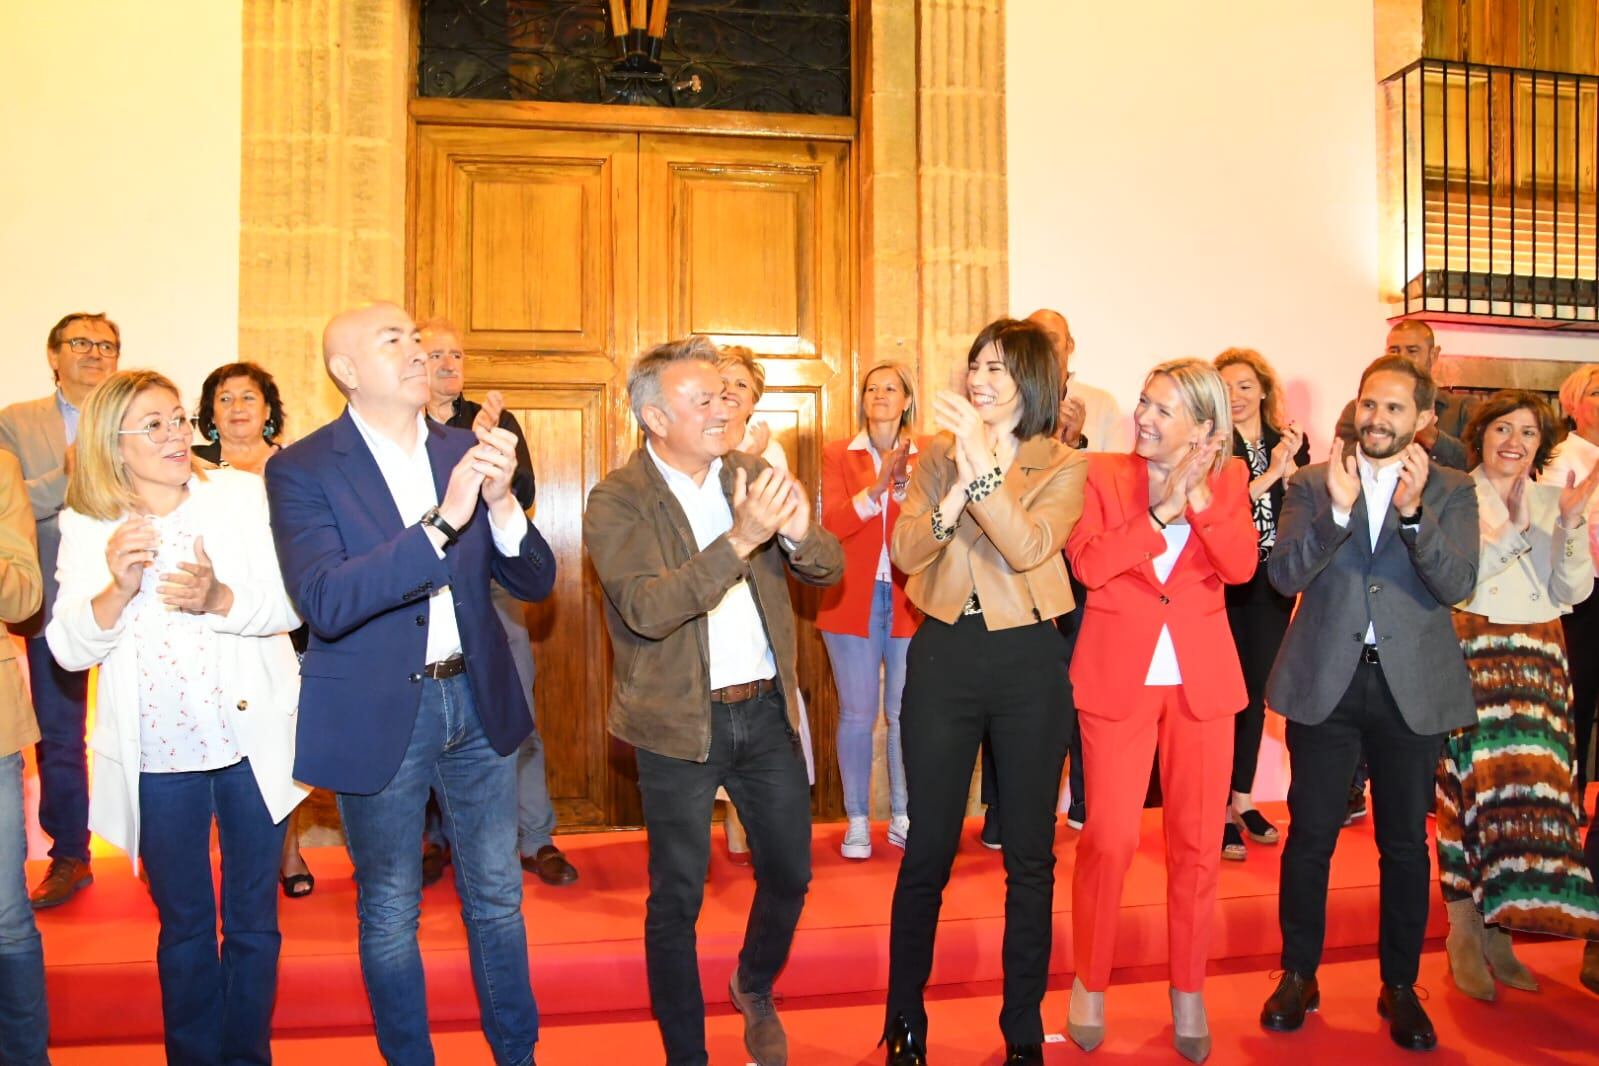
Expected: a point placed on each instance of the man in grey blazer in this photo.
(1377, 543)
(82, 350)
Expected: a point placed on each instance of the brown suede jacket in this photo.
(658, 589)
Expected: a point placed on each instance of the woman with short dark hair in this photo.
(1508, 856)
(241, 417)
(980, 532)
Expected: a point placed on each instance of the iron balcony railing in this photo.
(1494, 177)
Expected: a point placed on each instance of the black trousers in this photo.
(963, 682)
(1069, 624)
(1582, 652)
(1258, 616)
(757, 756)
(1322, 758)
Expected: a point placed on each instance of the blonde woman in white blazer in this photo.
(1508, 855)
(170, 587)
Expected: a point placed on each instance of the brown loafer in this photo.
(62, 881)
(551, 866)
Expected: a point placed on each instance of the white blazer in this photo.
(1535, 576)
(257, 662)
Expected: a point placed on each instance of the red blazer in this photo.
(1111, 552)
(846, 606)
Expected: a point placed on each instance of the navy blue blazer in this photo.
(361, 580)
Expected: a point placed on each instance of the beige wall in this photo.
(121, 183)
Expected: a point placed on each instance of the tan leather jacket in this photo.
(21, 590)
(659, 586)
(1007, 546)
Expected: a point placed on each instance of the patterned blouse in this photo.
(182, 726)
(1265, 519)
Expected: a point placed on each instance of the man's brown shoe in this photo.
(551, 866)
(61, 882)
(763, 1033)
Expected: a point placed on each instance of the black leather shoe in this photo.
(1296, 996)
(435, 857)
(903, 1047)
(1408, 1024)
(990, 834)
(1024, 1054)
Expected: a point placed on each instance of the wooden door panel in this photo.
(522, 275)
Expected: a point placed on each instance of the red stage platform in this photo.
(586, 940)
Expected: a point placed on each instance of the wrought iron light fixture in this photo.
(639, 27)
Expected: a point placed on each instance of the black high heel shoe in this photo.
(903, 1047)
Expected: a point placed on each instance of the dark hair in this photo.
(54, 340)
(1426, 389)
(205, 417)
(1030, 360)
(1550, 429)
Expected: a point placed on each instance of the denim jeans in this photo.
(450, 756)
(757, 756)
(61, 703)
(24, 1013)
(535, 814)
(870, 673)
(215, 1007)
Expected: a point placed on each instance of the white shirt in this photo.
(739, 649)
(1163, 669)
(410, 481)
(866, 507)
(182, 725)
(1377, 485)
(1104, 424)
(1576, 455)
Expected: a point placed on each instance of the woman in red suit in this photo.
(1163, 530)
(866, 621)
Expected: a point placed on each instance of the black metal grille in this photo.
(1496, 175)
(788, 56)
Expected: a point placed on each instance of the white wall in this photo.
(120, 190)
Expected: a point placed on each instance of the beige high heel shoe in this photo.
(1192, 1048)
(1086, 1035)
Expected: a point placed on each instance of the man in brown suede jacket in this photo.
(691, 542)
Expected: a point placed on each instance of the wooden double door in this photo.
(562, 253)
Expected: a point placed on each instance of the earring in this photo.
(212, 435)
(269, 431)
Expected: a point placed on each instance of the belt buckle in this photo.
(1368, 654)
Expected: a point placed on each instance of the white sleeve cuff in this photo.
(865, 506)
(1340, 518)
(508, 541)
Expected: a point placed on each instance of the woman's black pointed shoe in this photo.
(903, 1047)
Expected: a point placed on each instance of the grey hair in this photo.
(644, 376)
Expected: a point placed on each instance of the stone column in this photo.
(322, 197)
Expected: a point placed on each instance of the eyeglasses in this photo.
(161, 430)
(82, 345)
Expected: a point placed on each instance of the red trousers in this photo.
(1195, 766)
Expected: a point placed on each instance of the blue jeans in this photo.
(757, 756)
(448, 755)
(856, 662)
(61, 702)
(24, 1013)
(215, 1007)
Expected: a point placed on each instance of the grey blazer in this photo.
(1404, 589)
(34, 432)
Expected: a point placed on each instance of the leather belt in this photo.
(747, 691)
(1368, 654)
(444, 668)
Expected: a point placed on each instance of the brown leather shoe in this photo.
(764, 1038)
(551, 866)
(61, 882)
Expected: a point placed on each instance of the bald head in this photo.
(374, 356)
(1414, 340)
(1060, 334)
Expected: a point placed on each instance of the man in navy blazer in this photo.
(389, 527)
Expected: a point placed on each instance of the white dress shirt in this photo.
(739, 649)
(1377, 485)
(1163, 669)
(410, 481)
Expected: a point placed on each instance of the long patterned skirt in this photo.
(1507, 824)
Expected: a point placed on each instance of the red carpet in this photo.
(587, 957)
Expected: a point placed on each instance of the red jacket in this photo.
(1112, 551)
(846, 607)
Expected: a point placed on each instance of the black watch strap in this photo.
(1414, 520)
(436, 520)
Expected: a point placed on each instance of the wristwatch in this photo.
(1414, 520)
(436, 520)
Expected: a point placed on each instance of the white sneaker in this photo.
(898, 827)
(857, 840)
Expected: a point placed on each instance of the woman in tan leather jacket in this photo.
(980, 534)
